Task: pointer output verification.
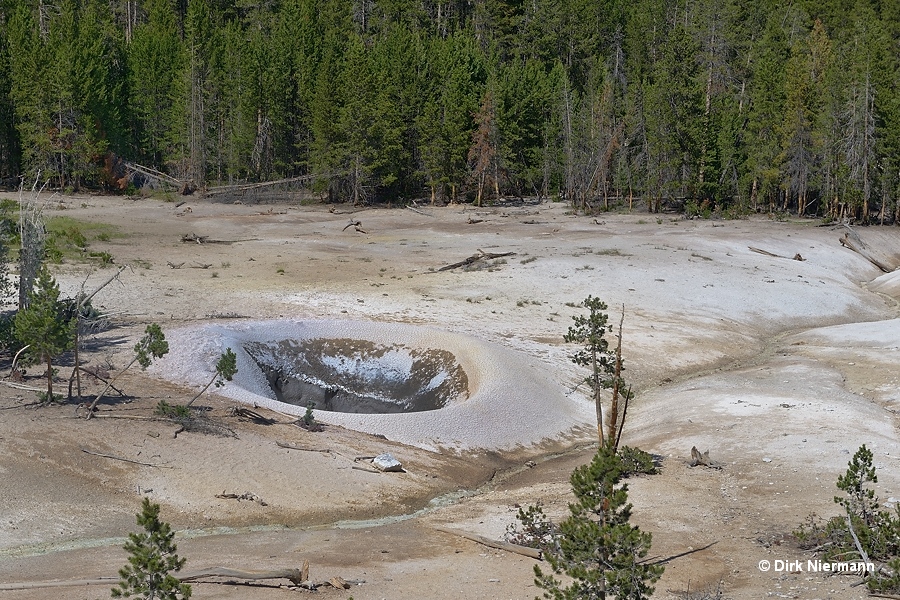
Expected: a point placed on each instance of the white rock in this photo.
(387, 462)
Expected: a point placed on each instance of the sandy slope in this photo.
(780, 367)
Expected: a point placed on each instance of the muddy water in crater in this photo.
(358, 376)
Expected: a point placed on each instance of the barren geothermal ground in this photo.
(780, 368)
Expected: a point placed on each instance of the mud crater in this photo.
(359, 376)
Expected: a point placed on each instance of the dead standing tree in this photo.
(606, 366)
(483, 159)
(32, 234)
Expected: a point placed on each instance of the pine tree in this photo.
(152, 560)
(767, 98)
(152, 345)
(606, 365)
(226, 367)
(597, 547)
(156, 57)
(43, 326)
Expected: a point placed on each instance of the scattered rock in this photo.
(387, 463)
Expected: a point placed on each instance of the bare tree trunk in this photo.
(49, 378)
(754, 194)
(597, 405)
(496, 178)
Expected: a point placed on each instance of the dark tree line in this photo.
(728, 104)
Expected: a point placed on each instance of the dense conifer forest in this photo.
(728, 105)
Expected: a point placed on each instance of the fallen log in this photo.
(767, 253)
(702, 459)
(245, 496)
(246, 414)
(482, 255)
(20, 386)
(35, 585)
(508, 547)
(858, 246)
(128, 460)
(193, 237)
(356, 225)
(416, 210)
(295, 576)
(302, 448)
(224, 189)
(366, 469)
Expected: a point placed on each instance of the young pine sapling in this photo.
(43, 325)
(152, 345)
(226, 367)
(152, 560)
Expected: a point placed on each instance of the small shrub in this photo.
(43, 398)
(173, 411)
(598, 550)
(152, 560)
(636, 462)
(534, 529)
(308, 421)
(105, 258)
(878, 531)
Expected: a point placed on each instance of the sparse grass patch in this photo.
(68, 237)
(612, 252)
(530, 259)
(695, 255)
(105, 258)
(710, 592)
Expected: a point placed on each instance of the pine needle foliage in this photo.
(152, 560)
(606, 365)
(226, 368)
(865, 532)
(597, 547)
(44, 326)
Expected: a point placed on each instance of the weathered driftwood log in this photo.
(857, 246)
(482, 255)
(515, 548)
(296, 576)
(303, 448)
(703, 459)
